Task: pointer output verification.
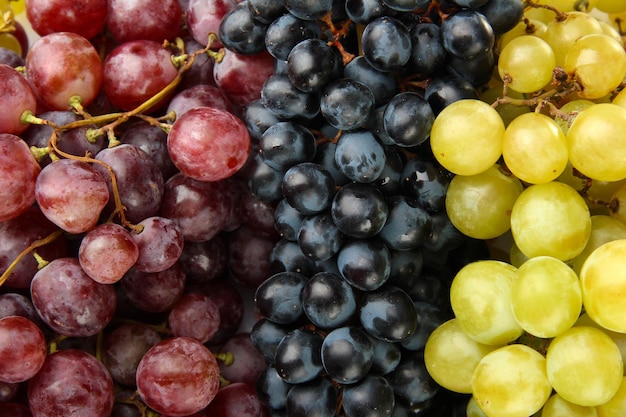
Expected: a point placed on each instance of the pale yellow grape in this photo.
(612, 32)
(546, 298)
(480, 296)
(550, 219)
(540, 14)
(584, 366)
(473, 409)
(570, 5)
(596, 142)
(611, 6)
(616, 406)
(618, 338)
(531, 27)
(451, 356)
(570, 111)
(561, 34)
(466, 137)
(603, 229)
(480, 205)
(507, 111)
(620, 99)
(528, 62)
(598, 63)
(617, 204)
(534, 148)
(603, 279)
(557, 406)
(511, 382)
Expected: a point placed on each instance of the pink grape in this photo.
(209, 144)
(107, 252)
(129, 20)
(201, 95)
(70, 302)
(18, 174)
(194, 315)
(249, 362)
(160, 244)
(231, 306)
(136, 70)
(16, 97)
(23, 349)
(154, 292)
(62, 65)
(204, 17)
(178, 376)
(83, 17)
(153, 141)
(237, 400)
(71, 383)
(71, 194)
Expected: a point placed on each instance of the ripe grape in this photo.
(194, 315)
(562, 33)
(236, 400)
(23, 348)
(84, 17)
(20, 172)
(154, 291)
(188, 382)
(160, 244)
(16, 97)
(248, 361)
(514, 60)
(557, 406)
(133, 20)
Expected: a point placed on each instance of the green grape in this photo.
(451, 356)
(473, 409)
(508, 112)
(611, 6)
(531, 27)
(557, 406)
(617, 204)
(620, 99)
(570, 5)
(540, 14)
(534, 148)
(603, 229)
(480, 205)
(561, 34)
(466, 137)
(480, 296)
(584, 366)
(546, 297)
(616, 406)
(570, 111)
(598, 62)
(596, 142)
(511, 382)
(612, 32)
(528, 61)
(618, 338)
(551, 219)
(603, 279)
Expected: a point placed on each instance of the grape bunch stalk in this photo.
(358, 208)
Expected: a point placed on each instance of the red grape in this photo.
(249, 256)
(18, 174)
(209, 144)
(153, 141)
(129, 20)
(201, 95)
(248, 362)
(154, 292)
(178, 376)
(194, 315)
(16, 97)
(135, 71)
(230, 303)
(160, 244)
(204, 261)
(204, 17)
(107, 252)
(14, 410)
(71, 194)
(71, 383)
(62, 65)
(83, 17)
(237, 400)
(70, 302)
(23, 349)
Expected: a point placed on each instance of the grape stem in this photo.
(560, 16)
(563, 87)
(36, 244)
(338, 34)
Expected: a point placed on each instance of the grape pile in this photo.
(359, 208)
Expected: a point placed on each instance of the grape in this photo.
(124, 85)
(359, 210)
(200, 95)
(347, 104)
(266, 335)
(312, 64)
(548, 157)
(236, 400)
(278, 297)
(186, 385)
(363, 11)
(407, 119)
(266, 11)
(480, 296)
(20, 172)
(467, 34)
(54, 82)
(23, 348)
(160, 244)
(8, 409)
(562, 33)
(388, 313)
(298, 356)
(319, 238)
(603, 229)
(466, 137)
(557, 406)
(194, 315)
(230, 303)
(271, 389)
(154, 291)
(561, 230)
(203, 17)
(249, 253)
(71, 383)
(153, 141)
(451, 356)
(616, 405)
(365, 264)
(285, 32)
(124, 347)
(308, 187)
(427, 182)
(511, 381)
(514, 59)
(347, 354)
(107, 252)
(480, 205)
(370, 397)
(285, 101)
(248, 362)
(10, 58)
(14, 304)
(598, 63)
(134, 20)
(360, 156)
(241, 32)
(546, 297)
(16, 97)
(595, 382)
(502, 15)
(411, 383)
(445, 89)
(602, 280)
(69, 301)
(308, 9)
(85, 18)
(386, 43)
(327, 300)
(315, 398)
(208, 131)
(429, 317)
(381, 84)
(285, 144)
